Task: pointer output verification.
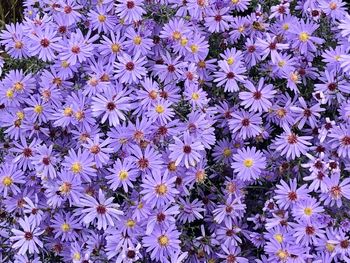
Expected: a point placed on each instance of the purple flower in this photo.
(110, 105)
(45, 44)
(9, 178)
(122, 174)
(102, 210)
(257, 98)
(186, 151)
(248, 164)
(292, 145)
(130, 69)
(158, 189)
(80, 164)
(288, 195)
(162, 243)
(26, 240)
(245, 124)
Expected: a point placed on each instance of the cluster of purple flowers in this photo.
(176, 131)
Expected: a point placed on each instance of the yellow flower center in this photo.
(38, 109)
(195, 96)
(184, 41)
(337, 57)
(248, 163)
(7, 181)
(130, 223)
(140, 205)
(161, 189)
(76, 167)
(65, 187)
(200, 176)
(172, 167)
(79, 115)
(9, 93)
(115, 48)
(159, 109)
(18, 86)
(123, 175)
(18, 44)
(230, 61)
(278, 237)
(227, 152)
(65, 227)
(281, 112)
(283, 255)
(330, 247)
(101, 18)
(308, 211)
(68, 111)
(137, 40)
(201, 64)
(20, 115)
(303, 37)
(64, 64)
(77, 256)
(176, 35)
(241, 29)
(163, 240)
(333, 5)
(281, 63)
(194, 48)
(285, 26)
(235, 2)
(294, 77)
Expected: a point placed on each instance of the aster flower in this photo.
(70, 11)
(80, 164)
(229, 76)
(130, 70)
(248, 164)
(110, 105)
(44, 161)
(161, 111)
(257, 98)
(158, 189)
(45, 44)
(13, 38)
(336, 190)
(122, 174)
(138, 41)
(292, 145)
(218, 20)
(28, 239)
(190, 211)
(147, 160)
(102, 210)
(229, 211)
(162, 243)
(245, 124)
(77, 49)
(304, 40)
(231, 254)
(101, 20)
(307, 114)
(129, 11)
(9, 178)
(186, 151)
(340, 140)
(163, 217)
(307, 209)
(288, 195)
(65, 226)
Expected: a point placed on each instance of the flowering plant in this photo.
(176, 131)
